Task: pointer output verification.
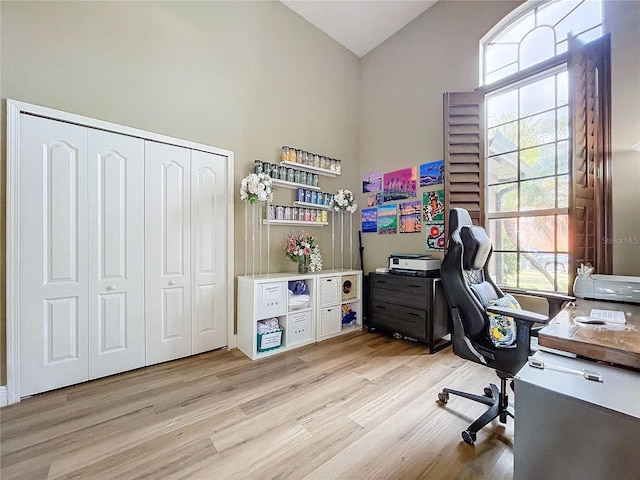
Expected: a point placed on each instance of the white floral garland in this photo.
(344, 200)
(256, 187)
(316, 260)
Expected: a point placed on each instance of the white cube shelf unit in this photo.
(335, 308)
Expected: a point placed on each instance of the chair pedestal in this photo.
(497, 399)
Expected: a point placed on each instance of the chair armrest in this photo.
(518, 314)
(551, 296)
(555, 300)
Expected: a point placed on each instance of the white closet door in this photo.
(167, 252)
(209, 223)
(52, 255)
(116, 253)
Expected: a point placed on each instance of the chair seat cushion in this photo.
(502, 329)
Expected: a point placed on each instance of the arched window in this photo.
(538, 33)
(541, 171)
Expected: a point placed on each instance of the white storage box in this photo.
(299, 328)
(330, 321)
(329, 290)
(271, 299)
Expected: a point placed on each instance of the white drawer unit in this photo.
(316, 314)
(340, 309)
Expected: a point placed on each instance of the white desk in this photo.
(568, 427)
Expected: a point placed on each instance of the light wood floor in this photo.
(355, 407)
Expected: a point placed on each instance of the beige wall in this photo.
(622, 20)
(244, 76)
(402, 85)
(251, 76)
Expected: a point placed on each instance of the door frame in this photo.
(14, 109)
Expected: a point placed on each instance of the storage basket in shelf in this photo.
(270, 341)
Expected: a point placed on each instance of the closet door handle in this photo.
(172, 283)
(110, 288)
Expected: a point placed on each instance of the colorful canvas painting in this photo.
(410, 217)
(369, 220)
(372, 182)
(433, 206)
(410, 208)
(435, 236)
(387, 219)
(374, 199)
(400, 184)
(432, 173)
(410, 223)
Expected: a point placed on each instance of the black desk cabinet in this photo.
(414, 307)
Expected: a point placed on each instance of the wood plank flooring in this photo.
(360, 406)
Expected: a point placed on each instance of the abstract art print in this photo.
(435, 236)
(433, 206)
(410, 217)
(432, 173)
(369, 220)
(387, 219)
(400, 184)
(372, 182)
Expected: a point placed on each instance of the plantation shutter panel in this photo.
(464, 154)
(590, 207)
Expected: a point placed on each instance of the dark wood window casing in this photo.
(590, 205)
(464, 154)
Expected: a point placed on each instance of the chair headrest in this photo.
(476, 246)
(458, 217)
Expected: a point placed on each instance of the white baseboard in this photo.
(3, 396)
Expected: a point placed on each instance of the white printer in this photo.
(414, 264)
(617, 288)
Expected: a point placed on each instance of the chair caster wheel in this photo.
(443, 397)
(488, 392)
(468, 437)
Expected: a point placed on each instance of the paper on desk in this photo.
(609, 316)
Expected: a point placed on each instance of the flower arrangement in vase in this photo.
(301, 247)
(344, 201)
(256, 187)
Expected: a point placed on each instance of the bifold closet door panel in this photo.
(167, 252)
(53, 255)
(209, 228)
(116, 253)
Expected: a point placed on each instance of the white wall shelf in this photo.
(294, 222)
(312, 205)
(309, 168)
(293, 185)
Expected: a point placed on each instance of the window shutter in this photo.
(590, 207)
(464, 154)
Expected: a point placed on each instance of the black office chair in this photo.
(469, 289)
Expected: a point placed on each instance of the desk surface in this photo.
(613, 343)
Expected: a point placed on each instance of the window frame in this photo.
(515, 81)
(590, 171)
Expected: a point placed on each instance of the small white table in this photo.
(569, 427)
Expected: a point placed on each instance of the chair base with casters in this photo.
(497, 399)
